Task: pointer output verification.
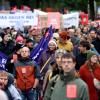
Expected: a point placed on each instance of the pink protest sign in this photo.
(54, 19)
(71, 91)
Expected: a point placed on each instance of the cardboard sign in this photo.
(71, 91)
(70, 20)
(54, 20)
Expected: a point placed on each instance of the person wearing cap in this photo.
(46, 58)
(20, 39)
(64, 42)
(68, 86)
(90, 73)
(47, 55)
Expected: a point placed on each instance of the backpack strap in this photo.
(56, 78)
(9, 94)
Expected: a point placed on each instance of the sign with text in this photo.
(54, 19)
(69, 20)
(18, 19)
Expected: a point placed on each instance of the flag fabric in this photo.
(43, 44)
(3, 60)
(84, 18)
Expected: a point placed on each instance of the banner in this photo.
(18, 20)
(3, 60)
(69, 20)
(54, 19)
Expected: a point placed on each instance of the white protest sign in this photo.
(18, 19)
(69, 20)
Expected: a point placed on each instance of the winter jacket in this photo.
(86, 75)
(43, 59)
(11, 90)
(67, 88)
(26, 71)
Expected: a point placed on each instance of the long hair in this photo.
(92, 66)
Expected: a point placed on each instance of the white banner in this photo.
(69, 20)
(18, 20)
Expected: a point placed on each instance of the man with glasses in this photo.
(68, 86)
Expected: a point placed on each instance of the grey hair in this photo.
(60, 52)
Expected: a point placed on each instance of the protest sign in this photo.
(54, 19)
(69, 20)
(18, 19)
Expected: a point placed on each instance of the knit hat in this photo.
(19, 39)
(90, 54)
(54, 42)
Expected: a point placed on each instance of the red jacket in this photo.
(86, 75)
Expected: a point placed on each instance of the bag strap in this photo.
(57, 77)
(45, 64)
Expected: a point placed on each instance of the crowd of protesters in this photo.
(69, 69)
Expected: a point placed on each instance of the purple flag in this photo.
(3, 60)
(43, 44)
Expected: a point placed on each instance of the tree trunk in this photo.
(92, 11)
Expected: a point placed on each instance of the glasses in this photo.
(68, 62)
